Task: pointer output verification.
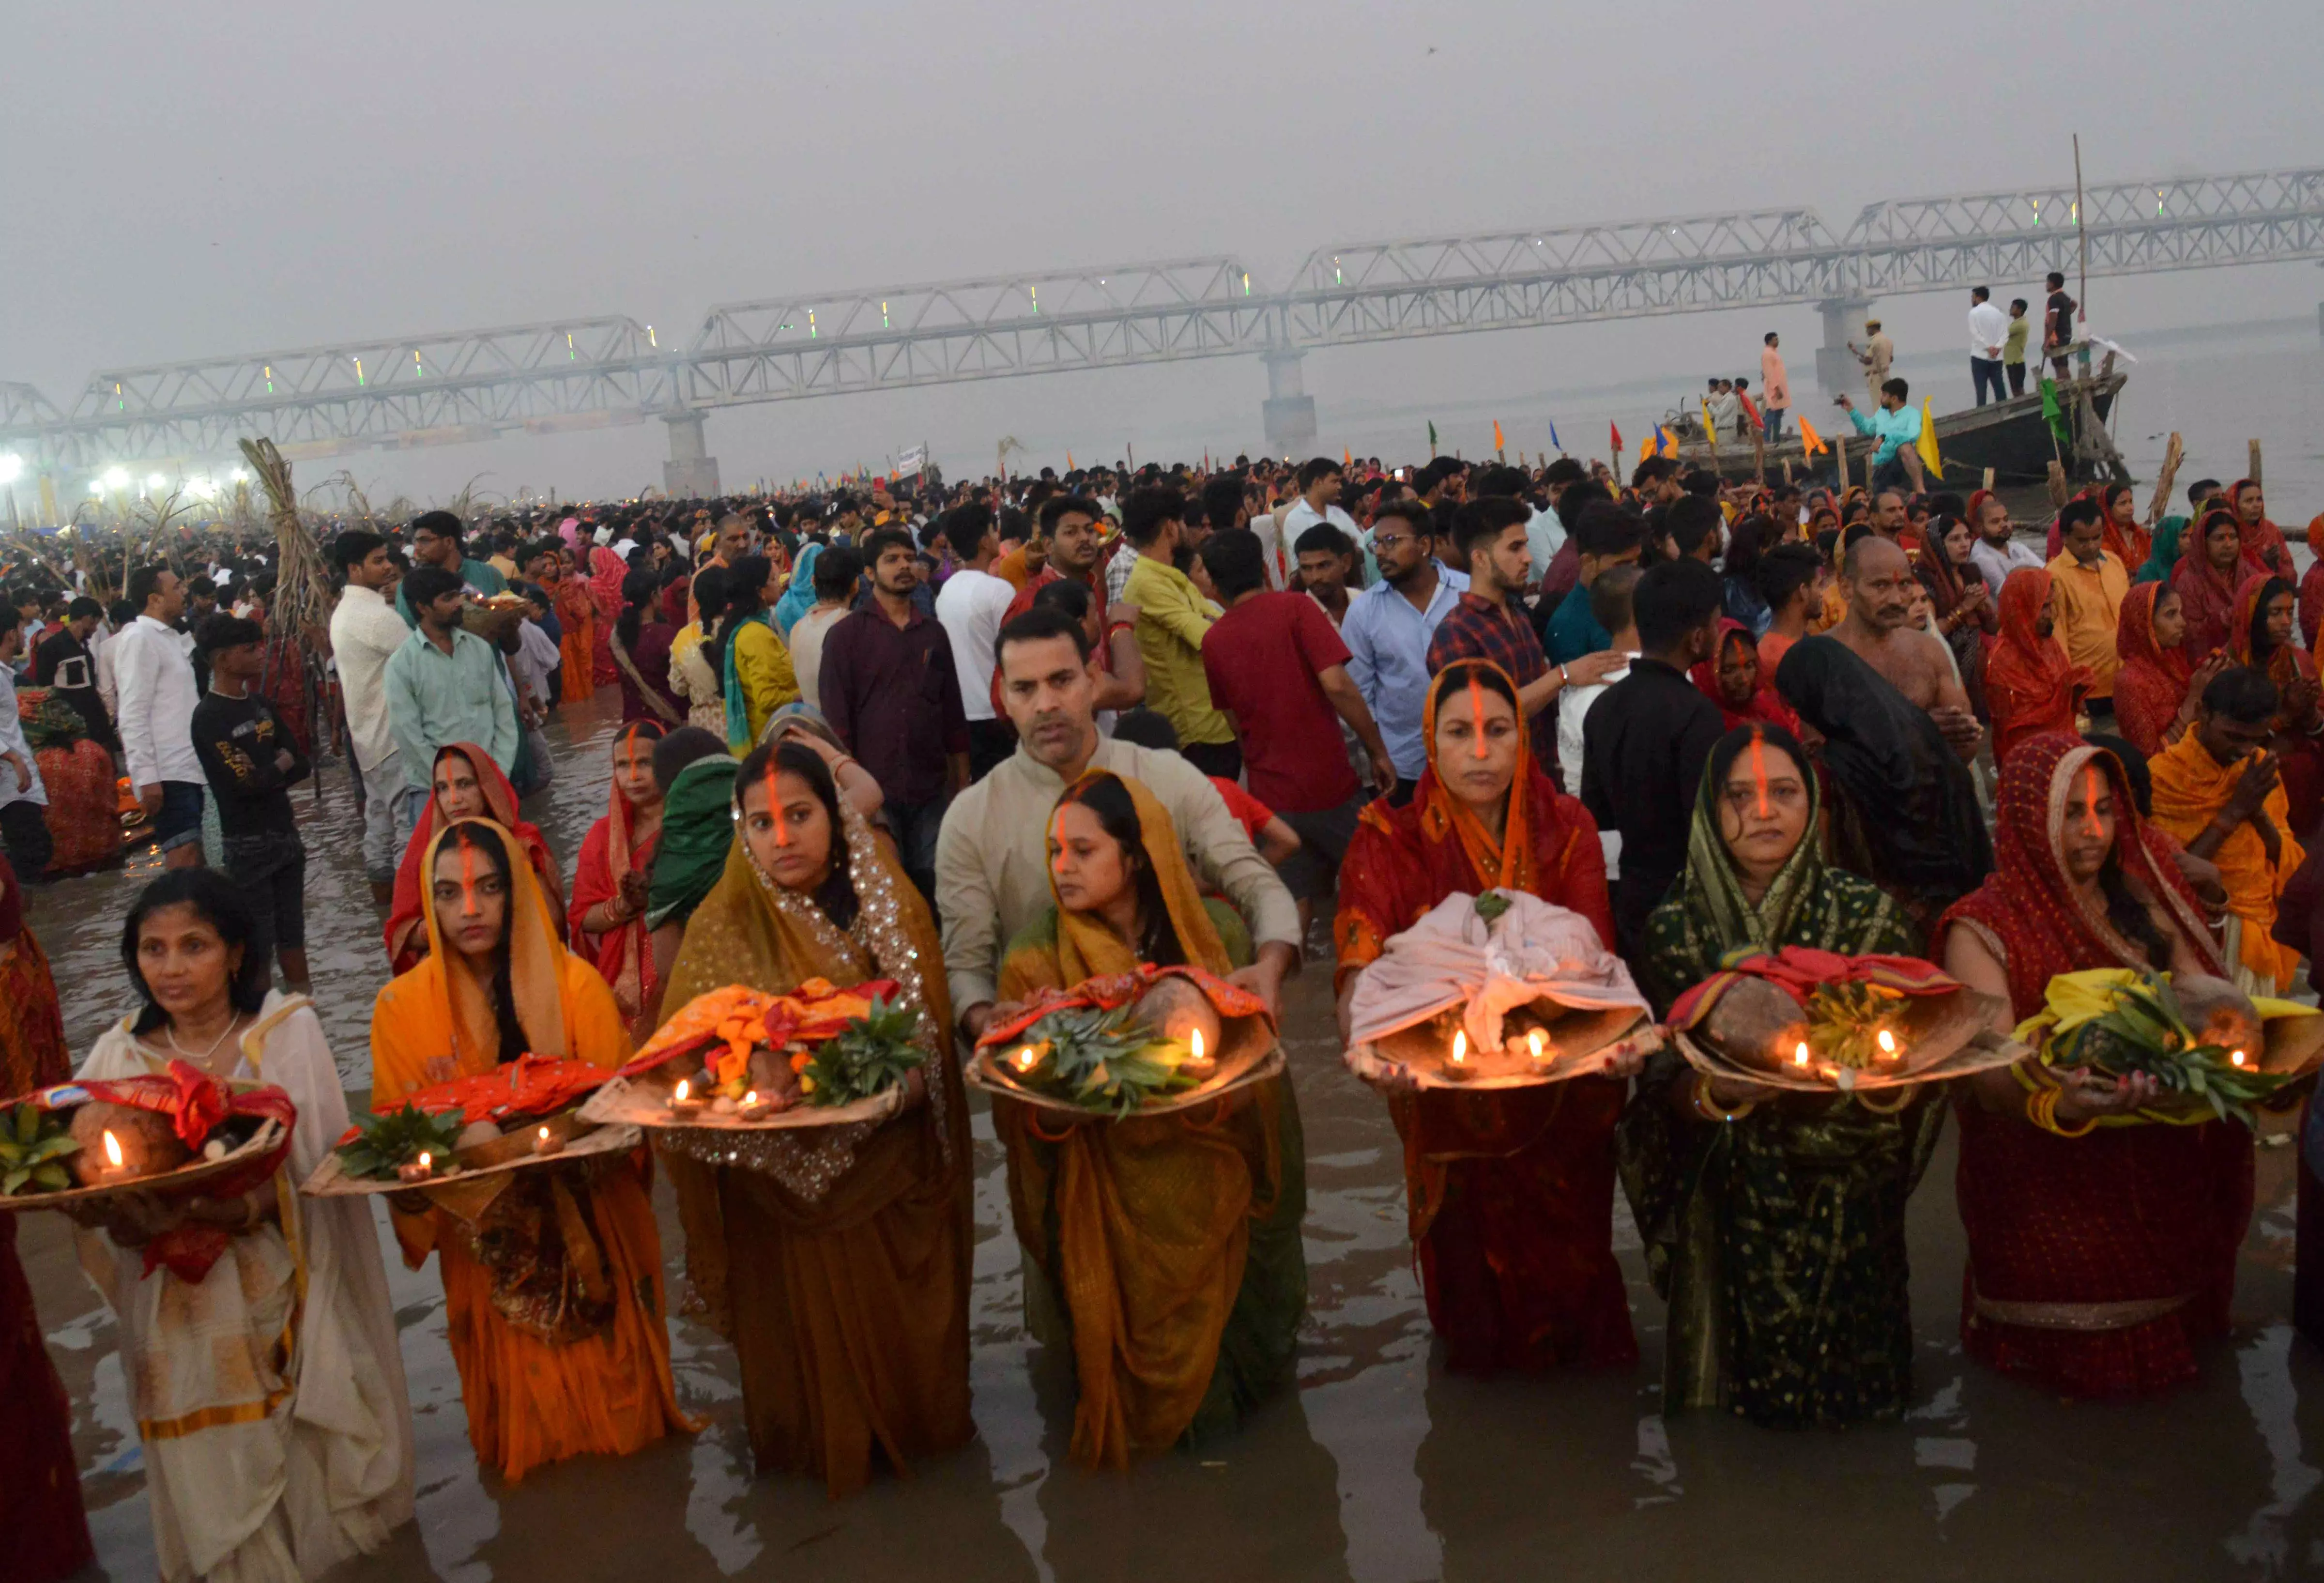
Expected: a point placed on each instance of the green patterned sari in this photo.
(1778, 1238)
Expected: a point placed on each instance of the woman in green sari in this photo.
(1774, 1222)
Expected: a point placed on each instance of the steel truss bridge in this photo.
(606, 372)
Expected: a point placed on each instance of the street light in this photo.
(11, 467)
(154, 481)
(115, 479)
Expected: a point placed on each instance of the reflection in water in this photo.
(1380, 1468)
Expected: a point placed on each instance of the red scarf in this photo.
(406, 927)
(1765, 707)
(2030, 685)
(2152, 681)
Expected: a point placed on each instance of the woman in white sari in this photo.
(269, 1396)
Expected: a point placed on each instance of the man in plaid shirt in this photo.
(1488, 624)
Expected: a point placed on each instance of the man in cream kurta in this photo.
(993, 860)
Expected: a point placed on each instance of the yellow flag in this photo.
(1927, 445)
(1811, 441)
(1647, 446)
(1497, 434)
(1710, 424)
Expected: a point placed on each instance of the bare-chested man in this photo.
(1878, 582)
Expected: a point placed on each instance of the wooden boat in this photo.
(2010, 437)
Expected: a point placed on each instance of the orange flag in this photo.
(1347, 457)
(1069, 461)
(1497, 434)
(1811, 441)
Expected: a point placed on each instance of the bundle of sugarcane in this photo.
(298, 621)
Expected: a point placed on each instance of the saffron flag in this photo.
(1347, 457)
(1497, 434)
(1927, 444)
(1811, 441)
(1665, 443)
(1555, 441)
(1751, 411)
(1069, 461)
(1645, 448)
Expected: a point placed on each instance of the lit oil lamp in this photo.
(1800, 1055)
(116, 1165)
(1887, 1042)
(1026, 1058)
(413, 1170)
(753, 1107)
(545, 1141)
(1538, 1044)
(684, 1101)
(2235, 1058)
(1198, 1063)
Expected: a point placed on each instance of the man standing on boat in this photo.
(1876, 353)
(1987, 333)
(2012, 345)
(2058, 324)
(1894, 462)
(1774, 388)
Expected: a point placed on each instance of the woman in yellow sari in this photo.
(552, 1284)
(836, 1258)
(1166, 1247)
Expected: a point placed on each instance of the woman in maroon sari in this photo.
(42, 1522)
(2209, 571)
(2030, 685)
(608, 909)
(1731, 678)
(1510, 1194)
(2157, 690)
(2260, 635)
(2101, 1242)
(467, 785)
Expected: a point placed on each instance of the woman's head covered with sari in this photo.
(696, 775)
(1758, 793)
(2029, 911)
(468, 784)
(1734, 668)
(2029, 682)
(624, 954)
(1108, 831)
(2208, 591)
(2261, 637)
(491, 945)
(1479, 748)
(799, 598)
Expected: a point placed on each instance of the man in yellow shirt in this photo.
(1172, 617)
(2088, 581)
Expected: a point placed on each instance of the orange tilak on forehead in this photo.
(629, 747)
(775, 808)
(468, 880)
(2092, 783)
(1477, 715)
(1759, 769)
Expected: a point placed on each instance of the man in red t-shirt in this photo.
(1277, 666)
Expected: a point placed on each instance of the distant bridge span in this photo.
(606, 372)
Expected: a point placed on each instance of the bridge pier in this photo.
(690, 474)
(1838, 373)
(1289, 415)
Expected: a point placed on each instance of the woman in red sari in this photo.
(2260, 635)
(2118, 522)
(2101, 1242)
(2157, 690)
(467, 785)
(2263, 544)
(576, 618)
(2030, 685)
(46, 1531)
(1731, 678)
(1510, 1194)
(607, 572)
(2209, 571)
(608, 909)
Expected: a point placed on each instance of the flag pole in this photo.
(2083, 302)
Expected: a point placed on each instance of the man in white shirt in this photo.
(1996, 553)
(971, 606)
(365, 632)
(1320, 483)
(1609, 606)
(156, 682)
(1988, 327)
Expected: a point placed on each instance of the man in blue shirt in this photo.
(1605, 535)
(1387, 629)
(1897, 428)
(446, 684)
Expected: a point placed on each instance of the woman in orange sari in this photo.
(836, 1259)
(2261, 635)
(2030, 685)
(2101, 1242)
(1164, 1249)
(612, 880)
(576, 618)
(552, 1285)
(469, 785)
(1510, 1193)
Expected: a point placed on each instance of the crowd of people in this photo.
(987, 739)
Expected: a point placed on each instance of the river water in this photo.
(1381, 1467)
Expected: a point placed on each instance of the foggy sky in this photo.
(191, 181)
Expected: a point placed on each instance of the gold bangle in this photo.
(1705, 1107)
